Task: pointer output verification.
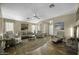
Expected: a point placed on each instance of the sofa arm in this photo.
(18, 40)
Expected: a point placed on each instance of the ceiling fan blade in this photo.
(36, 17)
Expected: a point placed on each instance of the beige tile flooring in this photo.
(42, 46)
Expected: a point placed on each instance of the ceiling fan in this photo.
(34, 15)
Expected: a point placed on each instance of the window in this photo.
(9, 26)
(33, 28)
(38, 27)
(51, 29)
(44, 29)
(71, 32)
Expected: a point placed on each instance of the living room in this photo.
(39, 29)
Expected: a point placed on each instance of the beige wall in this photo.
(77, 17)
(30, 27)
(69, 21)
(77, 23)
(0, 14)
(17, 26)
(44, 27)
(1, 25)
(69, 24)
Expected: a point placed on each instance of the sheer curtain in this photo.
(33, 28)
(9, 26)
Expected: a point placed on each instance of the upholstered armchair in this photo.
(72, 42)
(8, 35)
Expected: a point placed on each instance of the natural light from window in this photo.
(9, 26)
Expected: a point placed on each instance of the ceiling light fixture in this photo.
(51, 5)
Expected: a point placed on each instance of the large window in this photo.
(51, 29)
(9, 26)
(33, 28)
(38, 27)
(71, 31)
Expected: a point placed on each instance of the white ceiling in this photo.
(20, 11)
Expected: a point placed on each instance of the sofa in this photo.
(57, 40)
(72, 45)
(72, 42)
(27, 35)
